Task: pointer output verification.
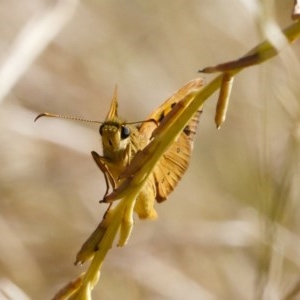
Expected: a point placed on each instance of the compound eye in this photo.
(101, 130)
(125, 132)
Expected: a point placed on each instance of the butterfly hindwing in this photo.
(175, 161)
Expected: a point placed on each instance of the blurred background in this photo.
(231, 228)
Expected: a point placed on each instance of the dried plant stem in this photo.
(92, 275)
(296, 10)
(258, 54)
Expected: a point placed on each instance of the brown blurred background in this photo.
(231, 228)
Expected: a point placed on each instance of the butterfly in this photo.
(121, 141)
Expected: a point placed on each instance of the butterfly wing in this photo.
(175, 161)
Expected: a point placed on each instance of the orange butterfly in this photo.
(121, 141)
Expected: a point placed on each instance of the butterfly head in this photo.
(115, 137)
(115, 133)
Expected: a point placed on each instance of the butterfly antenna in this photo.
(50, 115)
(144, 121)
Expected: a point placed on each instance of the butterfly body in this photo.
(120, 142)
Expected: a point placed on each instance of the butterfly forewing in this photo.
(160, 113)
(175, 161)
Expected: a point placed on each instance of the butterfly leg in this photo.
(100, 161)
(107, 184)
